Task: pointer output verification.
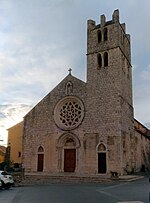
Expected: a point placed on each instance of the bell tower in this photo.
(109, 90)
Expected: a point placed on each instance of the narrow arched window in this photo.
(105, 59)
(69, 88)
(105, 34)
(99, 60)
(99, 36)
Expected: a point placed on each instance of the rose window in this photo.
(69, 113)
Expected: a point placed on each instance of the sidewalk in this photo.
(130, 177)
(131, 202)
(135, 176)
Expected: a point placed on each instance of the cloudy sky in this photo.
(41, 39)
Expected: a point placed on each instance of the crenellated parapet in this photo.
(115, 16)
(108, 34)
(103, 22)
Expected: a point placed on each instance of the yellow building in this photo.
(15, 142)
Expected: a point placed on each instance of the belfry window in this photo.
(99, 36)
(105, 59)
(99, 60)
(105, 34)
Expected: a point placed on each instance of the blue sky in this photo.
(41, 40)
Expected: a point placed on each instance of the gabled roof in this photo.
(69, 77)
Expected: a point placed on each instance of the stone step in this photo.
(43, 179)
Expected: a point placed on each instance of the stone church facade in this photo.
(89, 127)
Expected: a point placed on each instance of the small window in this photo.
(69, 87)
(105, 59)
(99, 60)
(19, 154)
(99, 36)
(105, 34)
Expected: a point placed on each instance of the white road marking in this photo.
(131, 202)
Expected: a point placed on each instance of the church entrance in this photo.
(69, 160)
(68, 145)
(102, 162)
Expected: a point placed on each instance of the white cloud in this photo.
(11, 114)
(146, 75)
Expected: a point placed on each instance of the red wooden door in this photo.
(69, 160)
(40, 162)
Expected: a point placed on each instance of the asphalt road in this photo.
(79, 193)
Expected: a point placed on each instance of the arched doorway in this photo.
(102, 166)
(40, 161)
(68, 145)
(69, 156)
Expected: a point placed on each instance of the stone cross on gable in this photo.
(70, 71)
